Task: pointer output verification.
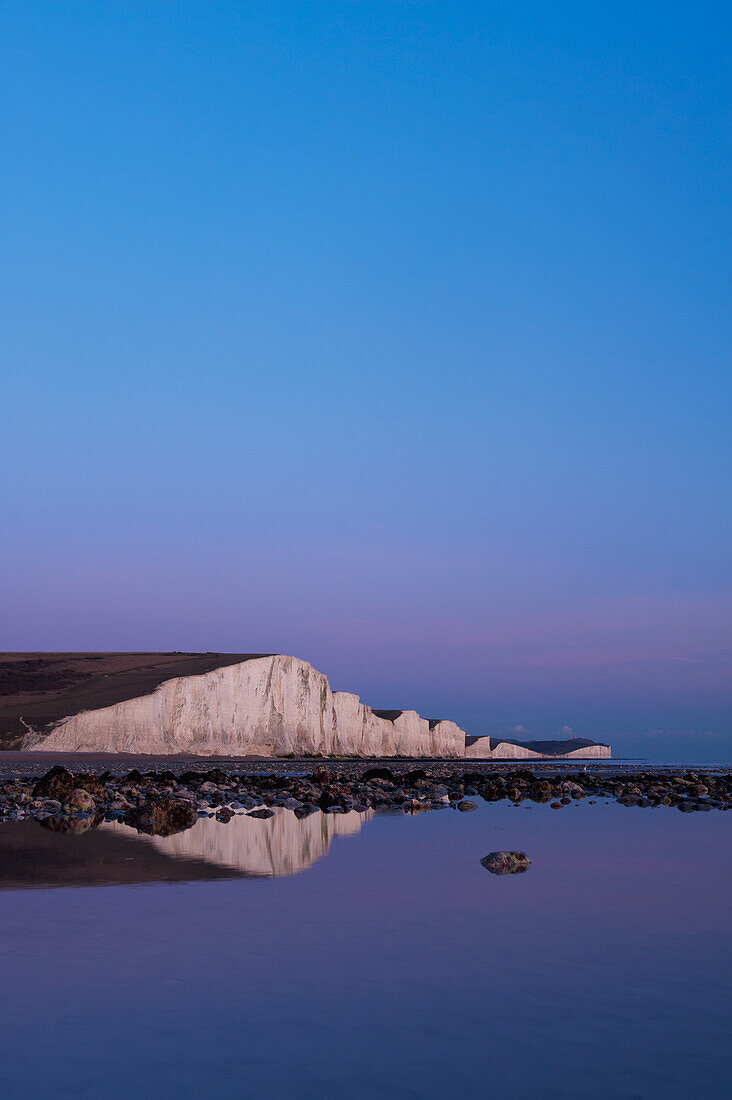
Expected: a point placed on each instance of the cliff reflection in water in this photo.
(280, 845)
(112, 853)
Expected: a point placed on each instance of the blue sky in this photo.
(392, 335)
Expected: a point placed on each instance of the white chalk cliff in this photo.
(262, 706)
(267, 706)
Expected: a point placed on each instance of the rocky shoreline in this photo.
(162, 802)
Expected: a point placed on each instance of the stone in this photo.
(466, 806)
(82, 800)
(263, 813)
(162, 816)
(376, 773)
(541, 791)
(60, 783)
(506, 863)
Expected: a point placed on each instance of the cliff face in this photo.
(250, 705)
(478, 748)
(266, 706)
(511, 750)
(594, 752)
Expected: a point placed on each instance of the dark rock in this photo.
(375, 773)
(466, 806)
(506, 863)
(417, 775)
(82, 800)
(162, 816)
(224, 815)
(540, 791)
(214, 775)
(263, 813)
(60, 783)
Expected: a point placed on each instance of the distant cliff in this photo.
(222, 705)
(575, 747)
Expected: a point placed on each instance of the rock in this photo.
(466, 806)
(263, 813)
(60, 783)
(162, 816)
(322, 775)
(82, 800)
(417, 775)
(375, 773)
(541, 791)
(506, 863)
(224, 815)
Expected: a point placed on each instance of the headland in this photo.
(218, 704)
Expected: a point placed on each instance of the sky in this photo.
(392, 335)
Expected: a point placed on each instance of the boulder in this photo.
(162, 816)
(541, 791)
(506, 863)
(376, 773)
(82, 800)
(60, 783)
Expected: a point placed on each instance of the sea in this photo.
(361, 956)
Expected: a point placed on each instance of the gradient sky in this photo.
(391, 335)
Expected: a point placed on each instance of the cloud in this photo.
(566, 731)
(518, 729)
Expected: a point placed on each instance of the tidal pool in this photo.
(370, 956)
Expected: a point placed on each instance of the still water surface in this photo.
(370, 957)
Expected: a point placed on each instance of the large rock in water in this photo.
(61, 784)
(267, 706)
(162, 816)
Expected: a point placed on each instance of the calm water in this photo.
(370, 957)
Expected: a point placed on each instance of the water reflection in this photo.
(113, 853)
